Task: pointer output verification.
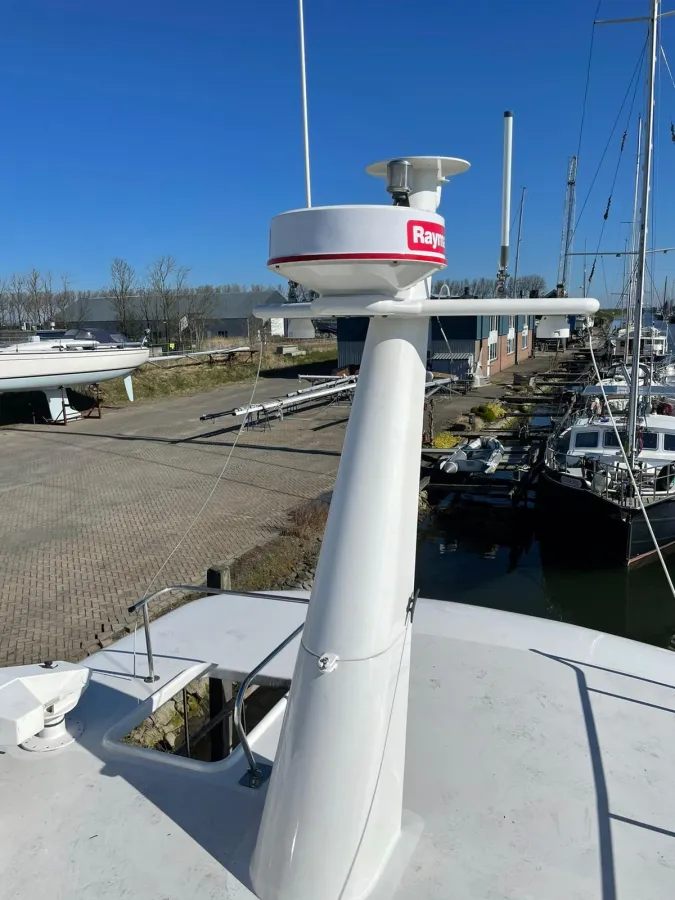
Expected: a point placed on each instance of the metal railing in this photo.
(194, 588)
(255, 776)
(653, 482)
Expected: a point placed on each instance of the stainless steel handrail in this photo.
(255, 776)
(197, 588)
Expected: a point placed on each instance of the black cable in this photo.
(588, 79)
(611, 134)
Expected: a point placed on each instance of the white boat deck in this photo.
(540, 764)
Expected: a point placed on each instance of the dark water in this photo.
(494, 559)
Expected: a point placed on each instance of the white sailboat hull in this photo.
(54, 369)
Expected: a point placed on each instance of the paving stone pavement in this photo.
(90, 512)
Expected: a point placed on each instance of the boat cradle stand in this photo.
(61, 412)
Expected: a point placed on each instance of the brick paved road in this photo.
(91, 511)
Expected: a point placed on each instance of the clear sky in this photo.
(135, 128)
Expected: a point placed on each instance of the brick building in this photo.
(457, 344)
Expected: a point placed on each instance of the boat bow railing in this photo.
(653, 482)
(143, 603)
(255, 774)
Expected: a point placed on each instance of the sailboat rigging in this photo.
(585, 474)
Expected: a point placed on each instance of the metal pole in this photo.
(515, 270)
(255, 775)
(305, 125)
(518, 240)
(636, 200)
(644, 228)
(150, 677)
(506, 204)
(186, 723)
(570, 206)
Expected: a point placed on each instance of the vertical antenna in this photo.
(506, 204)
(305, 126)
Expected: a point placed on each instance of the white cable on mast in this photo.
(305, 124)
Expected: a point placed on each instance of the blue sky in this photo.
(140, 128)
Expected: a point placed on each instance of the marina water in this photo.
(494, 558)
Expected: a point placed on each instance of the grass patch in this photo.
(186, 377)
(490, 412)
(446, 441)
(275, 564)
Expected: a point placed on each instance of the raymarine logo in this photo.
(426, 236)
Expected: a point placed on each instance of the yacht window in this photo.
(669, 441)
(610, 439)
(649, 440)
(586, 439)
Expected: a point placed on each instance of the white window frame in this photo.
(524, 336)
(494, 321)
(512, 323)
(492, 351)
(510, 345)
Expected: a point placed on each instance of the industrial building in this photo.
(457, 344)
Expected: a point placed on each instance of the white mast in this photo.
(506, 204)
(630, 286)
(643, 231)
(305, 124)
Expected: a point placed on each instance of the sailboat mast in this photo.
(518, 240)
(634, 235)
(585, 280)
(642, 233)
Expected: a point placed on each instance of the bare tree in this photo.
(4, 301)
(32, 302)
(528, 283)
(198, 307)
(123, 283)
(166, 283)
(17, 299)
(64, 299)
(49, 304)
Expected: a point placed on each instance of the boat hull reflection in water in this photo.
(503, 562)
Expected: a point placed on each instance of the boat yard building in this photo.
(217, 314)
(457, 344)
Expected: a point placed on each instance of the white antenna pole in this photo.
(506, 204)
(305, 125)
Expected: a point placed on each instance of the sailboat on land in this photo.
(79, 357)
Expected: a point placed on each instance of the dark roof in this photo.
(225, 306)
